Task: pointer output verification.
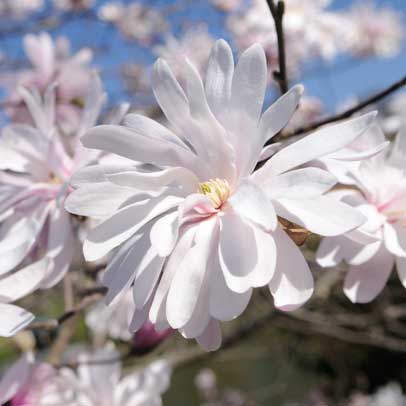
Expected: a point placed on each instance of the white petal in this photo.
(187, 282)
(164, 233)
(210, 340)
(249, 83)
(23, 281)
(250, 201)
(147, 276)
(169, 94)
(219, 75)
(292, 284)
(395, 239)
(155, 180)
(97, 200)
(181, 249)
(323, 215)
(121, 271)
(151, 128)
(96, 174)
(300, 184)
(13, 319)
(247, 254)
(279, 113)
(225, 304)
(128, 143)
(122, 225)
(364, 282)
(322, 142)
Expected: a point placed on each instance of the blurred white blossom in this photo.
(136, 21)
(19, 8)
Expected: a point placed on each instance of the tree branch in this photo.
(277, 12)
(347, 113)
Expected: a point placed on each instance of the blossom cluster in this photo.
(189, 213)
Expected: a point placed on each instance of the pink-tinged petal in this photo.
(147, 276)
(279, 113)
(155, 180)
(210, 340)
(395, 239)
(123, 224)
(59, 227)
(401, 269)
(316, 145)
(247, 254)
(292, 285)
(364, 282)
(220, 70)
(225, 304)
(13, 319)
(40, 51)
(323, 215)
(185, 287)
(178, 254)
(24, 281)
(129, 144)
(300, 184)
(138, 319)
(250, 201)
(164, 233)
(15, 377)
(97, 200)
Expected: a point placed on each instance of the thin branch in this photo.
(347, 113)
(91, 296)
(277, 12)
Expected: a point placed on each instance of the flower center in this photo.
(54, 179)
(217, 190)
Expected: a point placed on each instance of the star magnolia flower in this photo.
(51, 62)
(36, 233)
(199, 231)
(28, 382)
(373, 249)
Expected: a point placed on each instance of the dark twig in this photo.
(347, 113)
(92, 296)
(277, 12)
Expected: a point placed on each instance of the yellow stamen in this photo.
(217, 190)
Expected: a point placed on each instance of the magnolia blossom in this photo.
(390, 394)
(227, 5)
(95, 382)
(19, 8)
(194, 44)
(310, 30)
(195, 228)
(372, 250)
(36, 233)
(373, 31)
(136, 21)
(51, 63)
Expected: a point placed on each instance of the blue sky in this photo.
(334, 82)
